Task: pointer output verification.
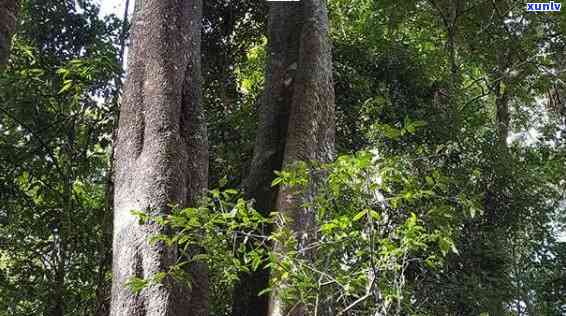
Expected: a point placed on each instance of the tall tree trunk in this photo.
(8, 20)
(452, 49)
(502, 116)
(284, 23)
(311, 131)
(161, 156)
(496, 206)
(496, 199)
(105, 250)
(57, 299)
(194, 136)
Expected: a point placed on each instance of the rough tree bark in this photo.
(284, 23)
(8, 20)
(103, 287)
(160, 155)
(311, 130)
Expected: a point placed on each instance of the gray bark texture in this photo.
(311, 129)
(161, 156)
(8, 21)
(285, 24)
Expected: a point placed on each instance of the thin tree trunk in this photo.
(102, 307)
(452, 30)
(502, 116)
(310, 135)
(454, 84)
(499, 209)
(57, 302)
(8, 21)
(123, 37)
(159, 158)
(496, 201)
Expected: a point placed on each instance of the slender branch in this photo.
(440, 12)
(361, 299)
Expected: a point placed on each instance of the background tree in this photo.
(285, 25)
(8, 15)
(446, 196)
(311, 128)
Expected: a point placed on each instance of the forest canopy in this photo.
(262, 158)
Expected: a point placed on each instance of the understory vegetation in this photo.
(445, 193)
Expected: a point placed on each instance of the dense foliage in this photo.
(447, 196)
(56, 124)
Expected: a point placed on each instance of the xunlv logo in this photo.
(544, 7)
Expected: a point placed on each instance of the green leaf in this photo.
(375, 215)
(136, 285)
(67, 85)
(360, 215)
(264, 291)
